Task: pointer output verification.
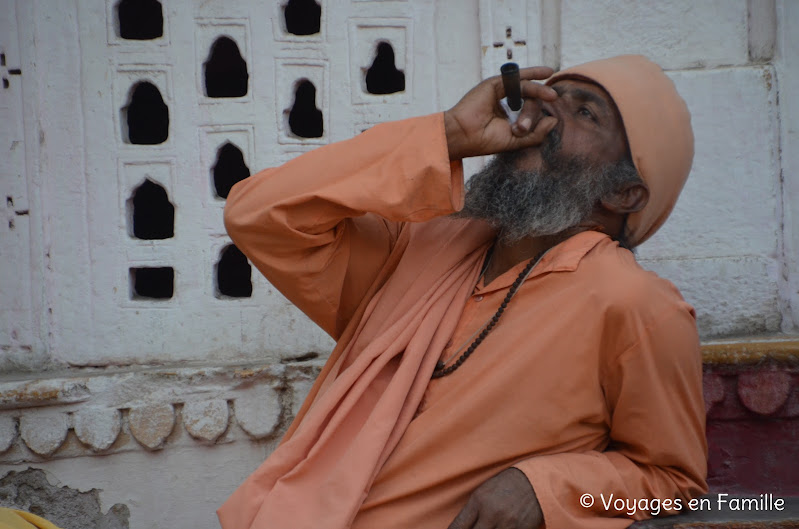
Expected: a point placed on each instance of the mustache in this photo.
(504, 163)
(551, 147)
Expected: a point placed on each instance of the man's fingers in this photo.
(527, 118)
(537, 135)
(543, 128)
(533, 90)
(466, 518)
(476, 125)
(536, 72)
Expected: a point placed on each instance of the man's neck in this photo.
(505, 256)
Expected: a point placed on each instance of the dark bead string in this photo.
(441, 370)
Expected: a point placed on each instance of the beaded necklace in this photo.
(441, 369)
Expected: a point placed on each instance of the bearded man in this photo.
(502, 361)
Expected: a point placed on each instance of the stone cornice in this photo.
(110, 411)
(747, 379)
(737, 352)
(150, 410)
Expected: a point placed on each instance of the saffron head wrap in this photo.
(658, 127)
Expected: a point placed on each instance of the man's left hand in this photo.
(506, 501)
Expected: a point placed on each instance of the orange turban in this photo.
(658, 127)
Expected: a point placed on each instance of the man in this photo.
(494, 366)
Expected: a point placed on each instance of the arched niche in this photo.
(140, 19)
(225, 71)
(305, 118)
(233, 274)
(303, 17)
(228, 169)
(383, 77)
(145, 120)
(150, 213)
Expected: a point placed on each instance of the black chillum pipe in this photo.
(512, 84)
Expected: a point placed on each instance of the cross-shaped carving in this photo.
(509, 43)
(6, 72)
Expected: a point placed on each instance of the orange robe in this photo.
(590, 383)
(16, 519)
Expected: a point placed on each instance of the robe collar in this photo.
(563, 257)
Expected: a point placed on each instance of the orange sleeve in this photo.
(658, 449)
(321, 226)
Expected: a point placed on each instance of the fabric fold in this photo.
(369, 396)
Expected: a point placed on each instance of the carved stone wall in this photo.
(144, 359)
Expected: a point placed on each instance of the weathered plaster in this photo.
(30, 490)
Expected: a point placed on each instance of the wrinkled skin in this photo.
(506, 501)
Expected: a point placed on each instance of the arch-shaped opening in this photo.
(151, 213)
(228, 169)
(152, 282)
(146, 118)
(140, 19)
(233, 274)
(225, 70)
(383, 77)
(303, 17)
(305, 119)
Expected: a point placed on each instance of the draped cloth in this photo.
(14, 519)
(297, 225)
(372, 385)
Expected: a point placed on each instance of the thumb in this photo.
(535, 136)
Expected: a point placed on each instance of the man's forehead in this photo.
(586, 89)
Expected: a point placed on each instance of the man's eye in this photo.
(583, 111)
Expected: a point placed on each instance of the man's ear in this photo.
(630, 198)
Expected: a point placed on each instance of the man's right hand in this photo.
(477, 125)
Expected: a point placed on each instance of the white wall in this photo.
(143, 398)
(787, 69)
(200, 380)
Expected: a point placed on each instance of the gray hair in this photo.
(559, 196)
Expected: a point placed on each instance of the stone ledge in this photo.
(109, 411)
(747, 352)
(748, 378)
(149, 410)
